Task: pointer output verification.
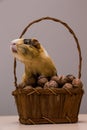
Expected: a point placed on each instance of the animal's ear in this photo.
(36, 43)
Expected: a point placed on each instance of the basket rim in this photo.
(48, 91)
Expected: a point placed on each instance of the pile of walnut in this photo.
(68, 82)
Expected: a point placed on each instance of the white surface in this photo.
(12, 123)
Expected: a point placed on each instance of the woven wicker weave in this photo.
(36, 106)
(51, 105)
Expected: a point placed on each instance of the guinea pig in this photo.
(35, 58)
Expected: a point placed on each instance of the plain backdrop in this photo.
(61, 46)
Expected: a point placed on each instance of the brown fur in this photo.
(36, 60)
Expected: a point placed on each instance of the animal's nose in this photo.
(13, 47)
(13, 43)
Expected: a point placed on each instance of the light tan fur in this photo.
(36, 60)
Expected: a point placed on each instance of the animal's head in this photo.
(26, 49)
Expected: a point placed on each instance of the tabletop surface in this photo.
(12, 123)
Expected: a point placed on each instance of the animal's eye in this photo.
(27, 41)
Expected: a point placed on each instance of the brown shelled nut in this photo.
(51, 84)
(42, 80)
(77, 83)
(62, 80)
(68, 85)
(55, 78)
(47, 85)
(70, 78)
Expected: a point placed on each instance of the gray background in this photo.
(16, 14)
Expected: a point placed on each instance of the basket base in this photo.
(45, 107)
(48, 121)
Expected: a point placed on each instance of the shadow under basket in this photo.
(39, 106)
(48, 105)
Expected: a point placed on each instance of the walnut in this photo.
(68, 85)
(51, 84)
(62, 80)
(55, 78)
(70, 78)
(42, 80)
(77, 83)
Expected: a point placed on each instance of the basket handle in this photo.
(69, 29)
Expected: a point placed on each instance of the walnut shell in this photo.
(77, 83)
(62, 80)
(70, 78)
(51, 84)
(47, 85)
(41, 81)
(55, 78)
(68, 85)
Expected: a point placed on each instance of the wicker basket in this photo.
(50, 105)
